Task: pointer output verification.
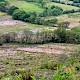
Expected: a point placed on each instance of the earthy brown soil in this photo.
(8, 21)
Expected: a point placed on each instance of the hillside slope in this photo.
(26, 6)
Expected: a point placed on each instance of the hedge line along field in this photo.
(26, 6)
(63, 6)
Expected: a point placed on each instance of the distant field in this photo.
(26, 26)
(74, 15)
(26, 6)
(71, 18)
(67, 1)
(63, 6)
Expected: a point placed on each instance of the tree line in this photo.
(60, 35)
(75, 2)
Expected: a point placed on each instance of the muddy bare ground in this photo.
(7, 21)
(45, 48)
(74, 25)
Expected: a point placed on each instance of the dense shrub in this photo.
(11, 10)
(73, 37)
(64, 24)
(60, 35)
(20, 15)
(3, 6)
(76, 29)
(50, 22)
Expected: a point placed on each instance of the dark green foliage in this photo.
(60, 35)
(51, 22)
(2, 0)
(11, 10)
(39, 21)
(2, 6)
(76, 1)
(76, 29)
(73, 37)
(20, 15)
(54, 11)
(64, 24)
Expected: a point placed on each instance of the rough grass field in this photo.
(7, 24)
(42, 64)
(72, 18)
(74, 15)
(1, 13)
(26, 6)
(63, 6)
(43, 60)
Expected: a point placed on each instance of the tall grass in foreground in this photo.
(67, 68)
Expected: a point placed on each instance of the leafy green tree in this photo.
(56, 11)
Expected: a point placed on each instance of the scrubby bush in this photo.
(60, 35)
(2, 39)
(20, 15)
(50, 22)
(44, 36)
(64, 24)
(3, 6)
(73, 37)
(77, 29)
(11, 10)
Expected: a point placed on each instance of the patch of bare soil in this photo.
(46, 49)
(74, 25)
(8, 21)
(7, 51)
(40, 50)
